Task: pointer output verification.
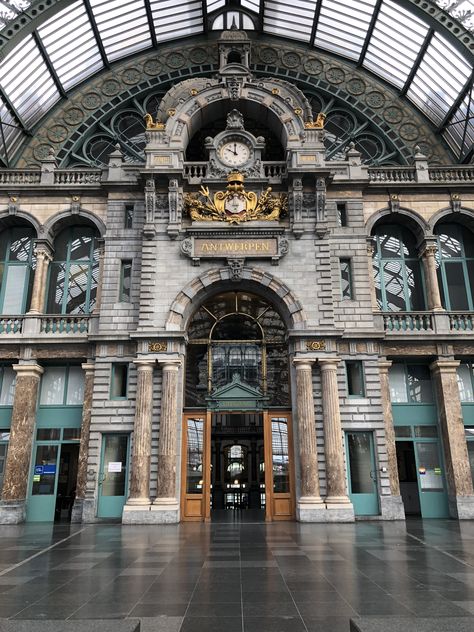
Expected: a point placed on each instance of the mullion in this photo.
(370, 32)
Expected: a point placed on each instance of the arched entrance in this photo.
(237, 460)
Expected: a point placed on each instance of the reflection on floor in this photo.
(238, 515)
(238, 577)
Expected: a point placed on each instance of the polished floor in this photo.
(226, 577)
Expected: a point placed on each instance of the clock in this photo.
(234, 152)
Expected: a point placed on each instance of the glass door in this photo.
(433, 497)
(279, 480)
(113, 478)
(195, 473)
(362, 475)
(42, 498)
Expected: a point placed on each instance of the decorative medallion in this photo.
(235, 204)
(268, 55)
(175, 60)
(393, 114)
(375, 99)
(57, 133)
(335, 75)
(157, 347)
(110, 87)
(316, 345)
(355, 86)
(291, 59)
(408, 131)
(130, 76)
(91, 100)
(198, 55)
(42, 151)
(73, 116)
(313, 66)
(152, 67)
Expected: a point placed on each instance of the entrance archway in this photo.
(237, 445)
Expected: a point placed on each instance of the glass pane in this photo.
(118, 387)
(397, 381)
(52, 386)
(126, 275)
(71, 434)
(48, 434)
(429, 467)
(21, 245)
(7, 391)
(390, 245)
(426, 432)
(466, 391)
(45, 470)
(415, 285)
(194, 460)
(470, 451)
(75, 386)
(56, 288)
(456, 283)
(115, 465)
(346, 289)
(402, 431)
(13, 299)
(394, 286)
(280, 456)
(419, 384)
(449, 241)
(360, 459)
(76, 299)
(355, 379)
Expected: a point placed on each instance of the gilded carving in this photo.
(318, 123)
(316, 345)
(151, 124)
(235, 204)
(157, 347)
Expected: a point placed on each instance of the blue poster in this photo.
(49, 469)
(39, 469)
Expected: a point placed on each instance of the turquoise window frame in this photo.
(442, 262)
(112, 376)
(360, 365)
(403, 260)
(59, 415)
(125, 263)
(5, 411)
(91, 262)
(467, 406)
(7, 264)
(412, 412)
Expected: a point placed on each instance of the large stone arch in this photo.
(252, 280)
(403, 216)
(10, 219)
(66, 218)
(463, 216)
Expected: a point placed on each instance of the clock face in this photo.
(234, 153)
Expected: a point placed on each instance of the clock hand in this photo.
(235, 149)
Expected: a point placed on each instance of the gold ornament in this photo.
(318, 123)
(150, 124)
(235, 204)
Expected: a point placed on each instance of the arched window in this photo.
(456, 266)
(16, 269)
(398, 276)
(74, 272)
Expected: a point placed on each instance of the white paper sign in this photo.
(114, 466)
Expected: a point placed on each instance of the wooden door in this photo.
(195, 467)
(279, 470)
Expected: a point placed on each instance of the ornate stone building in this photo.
(237, 274)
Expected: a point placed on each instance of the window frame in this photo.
(123, 264)
(360, 367)
(128, 216)
(7, 263)
(408, 400)
(341, 214)
(463, 260)
(350, 285)
(470, 365)
(113, 369)
(67, 368)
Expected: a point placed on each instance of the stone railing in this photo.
(11, 324)
(195, 171)
(452, 174)
(77, 176)
(64, 324)
(408, 321)
(459, 321)
(17, 176)
(276, 170)
(392, 174)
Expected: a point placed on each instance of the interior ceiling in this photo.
(73, 40)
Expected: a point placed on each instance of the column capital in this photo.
(329, 364)
(88, 367)
(302, 363)
(169, 364)
(428, 247)
(445, 366)
(28, 370)
(384, 365)
(144, 365)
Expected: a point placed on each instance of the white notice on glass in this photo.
(114, 466)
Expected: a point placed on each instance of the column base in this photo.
(12, 511)
(339, 511)
(138, 502)
(337, 500)
(392, 508)
(77, 508)
(136, 514)
(166, 510)
(310, 509)
(461, 507)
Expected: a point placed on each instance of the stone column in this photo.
(139, 494)
(391, 506)
(81, 481)
(458, 471)
(337, 498)
(17, 470)
(166, 498)
(429, 265)
(38, 295)
(310, 507)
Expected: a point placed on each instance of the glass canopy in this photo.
(382, 36)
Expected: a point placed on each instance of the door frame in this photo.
(101, 471)
(373, 468)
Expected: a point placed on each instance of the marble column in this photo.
(391, 506)
(81, 481)
(139, 494)
(336, 486)
(17, 469)
(310, 506)
(38, 295)
(429, 265)
(458, 471)
(166, 498)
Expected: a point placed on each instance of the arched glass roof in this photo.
(389, 38)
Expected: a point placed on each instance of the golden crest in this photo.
(235, 204)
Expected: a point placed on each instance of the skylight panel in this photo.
(27, 81)
(11, 133)
(10, 10)
(439, 79)
(343, 25)
(123, 26)
(395, 43)
(71, 45)
(293, 20)
(212, 5)
(173, 20)
(253, 5)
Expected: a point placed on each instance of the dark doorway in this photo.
(66, 491)
(238, 470)
(408, 478)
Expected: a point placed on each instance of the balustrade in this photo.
(15, 176)
(77, 176)
(64, 324)
(461, 322)
(407, 322)
(451, 174)
(392, 174)
(11, 324)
